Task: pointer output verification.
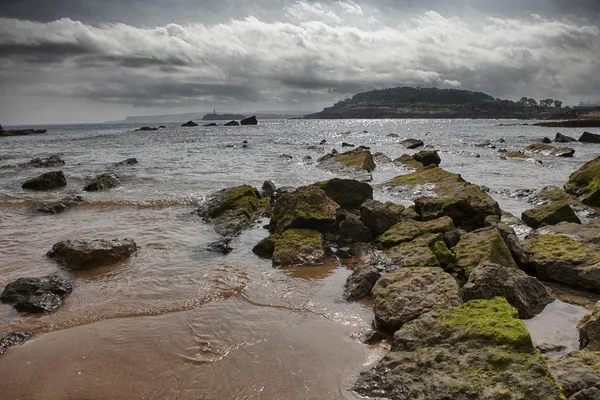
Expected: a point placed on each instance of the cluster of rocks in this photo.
(150, 128)
(543, 147)
(247, 121)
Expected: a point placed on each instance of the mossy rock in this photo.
(348, 193)
(417, 253)
(561, 259)
(308, 207)
(408, 161)
(480, 350)
(104, 181)
(547, 150)
(578, 373)
(445, 257)
(232, 209)
(483, 245)
(299, 247)
(589, 330)
(46, 181)
(356, 159)
(551, 194)
(585, 183)
(514, 154)
(265, 247)
(549, 214)
(405, 231)
(379, 217)
(428, 157)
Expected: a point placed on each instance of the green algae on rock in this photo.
(578, 373)
(585, 183)
(46, 181)
(427, 157)
(547, 150)
(232, 210)
(416, 253)
(480, 350)
(103, 181)
(483, 245)
(358, 159)
(299, 247)
(514, 154)
(348, 193)
(589, 330)
(408, 230)
(408, 161)
(549, 214)
(379, 217)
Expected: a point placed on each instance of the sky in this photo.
(78, 61)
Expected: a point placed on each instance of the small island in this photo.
(221, 117)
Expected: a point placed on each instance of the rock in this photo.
(286, 156)
(412, 143)
(308, 207)
(479, 350)
(408, 161)
(323, 141)
(55, 207)
(357, 159)
(299, 247)
(550, 194)
(162, 127)
(231, 210)
(405, 231)
(13, 338)
(545, 348)
(360, 282)
(528, 295)
(268, 189)
(232, 123)
(392, 135)
(483, 245)
(589, 330)
(344, 252)
(352, 229)
(220, 246)
(82, 254)
(344, 144)
(582, 233)
(514, 154)
(39, 295)
(402, 296)
(468, 205)
(46, 181)
(129, 161)
(428, 158)
(306, 158)
(249, 121)
(549, 214)
(416, 253)
(578, 374)
(381, 158)
(265, 247)
(380, 217)
(1, 128)
(560, 138)
(588, 137)
(21, 132)
(104, 181)
(348, 193)
(211, 124)
(545, 140)
(585, 183)
(190, 123)
(452, 238)
(561, 259)
(49, 162)
(547, 150)
(146, 129)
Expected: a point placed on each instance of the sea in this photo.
(177, 321)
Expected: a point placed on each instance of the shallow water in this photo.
(176, 321)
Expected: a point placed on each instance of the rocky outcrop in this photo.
(38, 295)
(560, 138)
(585, 183)
(547, 150)
(47, 181)
(308, 207)
(298, 247)
(232, 123)
(189, 124)
(408, 161)
(104, 181)
(48, 162)
(82, 254)
(588, 137)
(231, 210)
(561, 259)
(249, 121)
(428, 158)
(408, 230)
(348, 193)
(360, 283)
(477, 351)
(13, 338)
(528, 295)
(589, 330)
(483, 245)
(402, 296)
(379, 217)
(412, 143)
(578, 373)
(358, 159)
(21, 132)
(55, 207)
(549, 214)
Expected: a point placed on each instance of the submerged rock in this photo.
(129, 161)
(549, 214)
(82, 254)
(412, 143)
(547, 150)
(39, 295)
(585, 183)
(146, 129)
(299, 247)
(379, 217)
(578, 373)
(477, 351)
(360, 282)
(348, 193)
(13, 338)
(408, 230)
(220, 246)
(249, 121)
(402, 296)
(588, 137)
(47, 181)
(55, 207)
(428, 158)
(231, 210)
(104, 181)
(49, 162)
(528, 295)
(589, 330)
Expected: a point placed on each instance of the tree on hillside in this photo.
(527, 101)
(546, 102)
(557, 103)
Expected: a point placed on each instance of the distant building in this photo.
(589, 103)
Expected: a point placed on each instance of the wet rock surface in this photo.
(578, 373)
(412, 143)
(588, 137)
(585, 183)
(46, 181)
(419, 252)
(49, 162)
(589, 330)
(13, 339)
(359, 160)
(128, 161)
(299, 247)
(249, 121)
(348, 193)
(379, 217)
(428, 158)
(483, 245)
(55, 207)
(103, 181)
(360, 282)
(408, 230)
(549, 214)
(547, 150)
(38, 295)
(82, 254)
(231, 210)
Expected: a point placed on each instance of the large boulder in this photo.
(589, 330)
(359, 159)
(47, 181)
(561, 259)
(560, 138)
(549, 214)
(528, 295)
(480, 350)
(82, 254)
(547, 150)
(39, 295)
(55, 207)
(428, 158)
(412, 143)
(405, 231)
(103, 181)
(249, 121)
(402, 296)
(13, 338)
(585, 183)
(468, 205)
(231, 210)
(299, 247)
(483, 245)
(348, 193)
(360, 283)
(308, 207)
(379, 217)
(420, 252)
(578, 373)
(588, 137)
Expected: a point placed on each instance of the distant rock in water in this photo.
(52, 161)
(572, 123)
(547, 150)
(47, 181)
(103, 181)
(190, 123)
(146, 128)
(428, 158)
(129, 161)
(42, 295)
(560, 138)
(13, 338)
(412, 143)
(1, 128)
(588, 137)
(222, 117)
(21, 132)
(232, 123)
(85, 254)
(211, 124)
(545, 140)
(249, 121)
(55, 207)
